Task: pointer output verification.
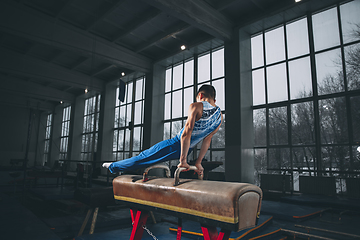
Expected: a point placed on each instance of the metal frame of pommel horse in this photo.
(229, 206)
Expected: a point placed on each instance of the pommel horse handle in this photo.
(167, 170)
(179, 170)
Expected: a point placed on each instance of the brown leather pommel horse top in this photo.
(229, 205)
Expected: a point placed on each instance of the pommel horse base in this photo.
(227, 205)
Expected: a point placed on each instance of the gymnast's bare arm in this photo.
(194, 113)
(204, 147)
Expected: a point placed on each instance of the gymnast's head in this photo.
(206, 92)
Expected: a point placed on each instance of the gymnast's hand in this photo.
(184, 165)
(200, 169)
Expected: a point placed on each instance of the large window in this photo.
(90, 128)
(181, 86)
(65, 129)
(47, 138)
(129, 119)
(306, 83)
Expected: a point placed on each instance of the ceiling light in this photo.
(86, 90)
(297, 0)
(61, 102)
(122, 74)
(183, 47)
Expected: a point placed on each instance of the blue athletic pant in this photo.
(163, 151)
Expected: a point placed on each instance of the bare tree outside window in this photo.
(324, 122)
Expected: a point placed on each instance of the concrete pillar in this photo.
(239, 161)
(154, 106)
(106, 129)
(77, 115)
(154, 110)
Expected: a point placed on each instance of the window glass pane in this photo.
(355, 114)
(176, 127)
(167, 106)
(177, 104)
(128, 114)
(356, 158)
(188, 99)
(326, 29)
(304, 158)
(300, 78)
(204, 68)
(138, 111)
(335, 158)
(333, 120)
(168, 80)
(121, 140)
(274, 45)
(189, 73)
(220, 93)
(137, 137)
(218, 140)
(257, 51)
(127, 140)
(260, 127)
(260, 164)
(115, 140)
(166, 131)
(122, 117)
(139, 89)
(129, 94)
(98, 103)
(219, 156)
(218, 64)
(177, 76)
(352, 62)
(350, 21)
(297, 38)
(277, 84)
(329, 72)
(258, 82)
(302, 123)
(97, 122)
(279, 158)
(278, 127)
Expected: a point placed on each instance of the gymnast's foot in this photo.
(107, 164)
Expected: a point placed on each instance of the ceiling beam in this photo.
(221, 5)
(31, 89)
(105, 13)
(64, 6)
(78, 62)
(14, 100)
(23, 65)
(257, 4)
(101, 70)
(137, 23)
(159, 37)
(24, 22)
(199, 14)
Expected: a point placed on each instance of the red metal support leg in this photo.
(224, 235)
(139, 220)
(179, 230)
(210, 233)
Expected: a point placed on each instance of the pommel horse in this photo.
(228, 205)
